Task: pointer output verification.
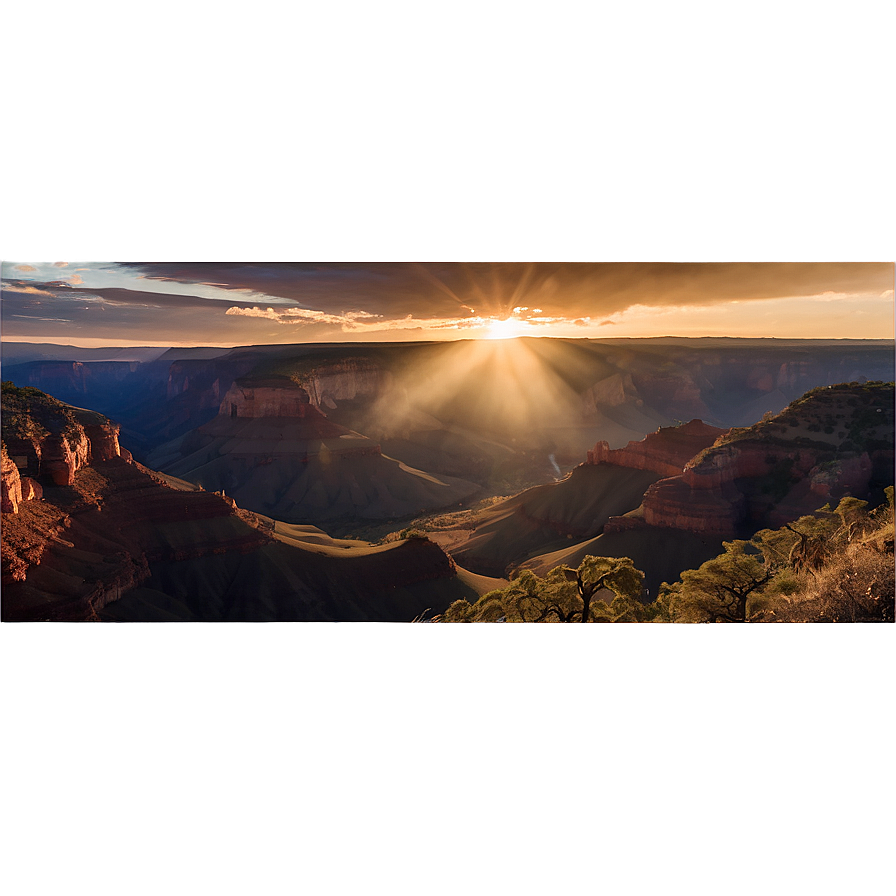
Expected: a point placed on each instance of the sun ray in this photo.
(508, 328)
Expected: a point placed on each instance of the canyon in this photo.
(235, 457)
(104, 537)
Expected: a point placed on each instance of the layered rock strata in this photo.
(833, 442)
(665, 451)
(17, 489)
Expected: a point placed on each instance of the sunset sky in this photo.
(137, 303)
(666, 167)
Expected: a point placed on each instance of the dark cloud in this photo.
(308, 302)
(441, 290)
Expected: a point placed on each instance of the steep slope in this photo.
(116, 540)
(660, 553)
(612, 482)
(277, 454)
(548, 516)
(664, 452)
(834, 441)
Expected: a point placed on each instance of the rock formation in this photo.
(277, 454)
(113, 539)
(17, 489)
(665, 451)
(331, 383)
(50, 441)
(259, 397)
(830, 443)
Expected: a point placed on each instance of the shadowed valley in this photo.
(384, 481)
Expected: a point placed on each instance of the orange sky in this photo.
(92, 304)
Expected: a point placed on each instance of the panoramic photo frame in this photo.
(420, 757)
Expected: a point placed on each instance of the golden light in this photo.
(504, 329)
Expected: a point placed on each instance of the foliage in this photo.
(32, 415)
(411, 533)
(564, 595)
(833, 566)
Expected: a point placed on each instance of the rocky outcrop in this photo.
(850, 474)
(329, 384)
(664, 452)
(611, 391)
(262, 397)
(747, 459)
(57, 457)
(103, 440)
(48, 441)
(774, 471)
(11, 484)
(672, 503)
(64, 455)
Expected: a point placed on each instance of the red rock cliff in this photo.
(665, 451)
(330, 383)
(11, 484)
(671, 503)
(266, 397)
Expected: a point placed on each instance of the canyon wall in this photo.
(16, 489)
(664, 452)
(262, 397)
(833, 442)
(348, 380)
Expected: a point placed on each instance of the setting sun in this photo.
(504, 329)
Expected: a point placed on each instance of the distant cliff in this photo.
(349, 380)
(276, 453)
(665, 451)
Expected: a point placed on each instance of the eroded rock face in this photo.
(348, 380)
(672, 503)
(268, 397)
(735, 482)
(11, 484)
(55, 457)
(850, 474)
(611, 391)
(665, 451)
(103, 439)
(64, 455)
(833, 442)
(747, 460)
(17, 489)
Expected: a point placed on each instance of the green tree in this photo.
(563, 595)
(722, 588)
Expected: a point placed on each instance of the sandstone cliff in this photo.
(49, 441)
(833, 442)
(16, 488)
(665, 451)
(331, 383)
(277, 454)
